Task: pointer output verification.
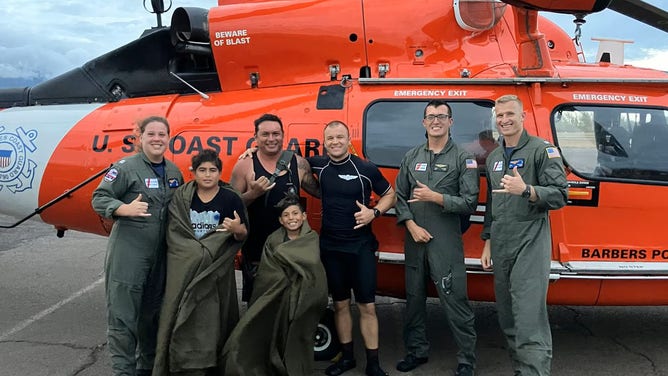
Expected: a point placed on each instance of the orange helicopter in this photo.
(372, 64)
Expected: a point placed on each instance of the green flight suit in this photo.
(521, 245)
(453, 172)
(135, 261)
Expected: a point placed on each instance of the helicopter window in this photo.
(620, 143)
(394, 127)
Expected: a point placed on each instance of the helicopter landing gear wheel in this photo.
(325, 339)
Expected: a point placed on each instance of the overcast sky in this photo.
(47, 38)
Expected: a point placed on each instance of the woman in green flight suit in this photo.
(135, 193)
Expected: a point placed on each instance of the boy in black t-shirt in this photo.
(206, 228)
(212, 206)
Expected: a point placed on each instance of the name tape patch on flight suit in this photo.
(421, 166)
(173, 183)
(111, 175)
(498, 166)
(552, 152)
(519, 163)
(151, 183)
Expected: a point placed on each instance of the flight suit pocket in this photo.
(445, 180)
(133, 222)
(137, 190)
(554, 175)
(149, 195)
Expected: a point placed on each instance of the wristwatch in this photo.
(376, 213)
(527, 192)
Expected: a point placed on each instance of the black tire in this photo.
(325, 339)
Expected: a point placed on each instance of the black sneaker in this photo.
(410, 362)
(340, 367)
(464, 370)
(373, 369)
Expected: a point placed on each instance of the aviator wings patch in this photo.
(347, 177)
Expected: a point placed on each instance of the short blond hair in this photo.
(509, 98)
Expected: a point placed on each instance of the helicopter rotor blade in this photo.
(643, 12)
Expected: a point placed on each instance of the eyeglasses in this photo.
(440, 117)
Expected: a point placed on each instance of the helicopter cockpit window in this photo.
(394, 127)
(627, 143)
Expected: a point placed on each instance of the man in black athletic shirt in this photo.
(347, 243)
(252, 177)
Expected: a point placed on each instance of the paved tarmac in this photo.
(52, 320)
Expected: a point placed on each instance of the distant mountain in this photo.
(6, 83)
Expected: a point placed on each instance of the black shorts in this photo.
(346, 271)
(248, 273)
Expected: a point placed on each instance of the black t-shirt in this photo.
(341, 184)
(262, 215)
(206, 216)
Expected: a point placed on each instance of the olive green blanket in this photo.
(200, 306)
(275, 335)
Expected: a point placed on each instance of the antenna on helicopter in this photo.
(201, 94)
(158, 9)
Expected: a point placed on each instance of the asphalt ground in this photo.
(52, 320)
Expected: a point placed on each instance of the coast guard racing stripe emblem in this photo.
(111, 175)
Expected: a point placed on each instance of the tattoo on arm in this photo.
(308, 182)
(310, 185)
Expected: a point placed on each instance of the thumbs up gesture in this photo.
(138, 208)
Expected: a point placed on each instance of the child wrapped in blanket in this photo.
(275, 335)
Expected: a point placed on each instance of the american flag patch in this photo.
(5, 158)
(552, 152)
(498, 166)
(421, 166)
(471, 163)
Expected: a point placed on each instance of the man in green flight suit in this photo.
(526, 179)
(437, 182)
(135, 192)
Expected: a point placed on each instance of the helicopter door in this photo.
(614, 224)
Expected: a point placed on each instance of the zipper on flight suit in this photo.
(163, 188)
(506, 162)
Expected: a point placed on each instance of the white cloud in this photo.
(48, 38)
(45, 39)
(655, 59)
(649, 44)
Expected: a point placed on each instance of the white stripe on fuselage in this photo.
(28, 138)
